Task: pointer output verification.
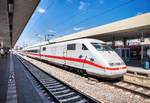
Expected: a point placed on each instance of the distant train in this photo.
(93, 56)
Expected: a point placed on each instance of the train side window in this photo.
(33, 51)
(36, 51)
(71, 47)
(44, 48)
(84, 47)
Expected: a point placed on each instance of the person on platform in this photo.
(2, 53)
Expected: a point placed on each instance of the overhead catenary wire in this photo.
(72, 17)
(35, 19)
(42, 15)
(69, 18)
(77, 14)
(99, 14)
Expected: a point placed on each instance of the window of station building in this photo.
(84, 47)
(71, 47)
(123, 53)
(44, 48)
(128, 52)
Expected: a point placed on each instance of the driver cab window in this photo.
(102, 47)
(84, 47)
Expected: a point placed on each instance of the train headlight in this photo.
(122, 63)
(116, 64)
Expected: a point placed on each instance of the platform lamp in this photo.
(49, 35)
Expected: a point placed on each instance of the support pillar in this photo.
(113, 44)
(142, 48)
(124, 42)
(142, 57)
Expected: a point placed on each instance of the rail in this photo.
(133, 87)
(56, 90)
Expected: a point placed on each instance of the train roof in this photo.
(83, 40)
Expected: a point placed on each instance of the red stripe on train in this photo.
(77, 60)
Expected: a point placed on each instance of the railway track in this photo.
(134, 88)
(55, 90)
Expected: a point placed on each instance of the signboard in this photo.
(148, 52)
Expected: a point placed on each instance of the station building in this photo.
(132, 50)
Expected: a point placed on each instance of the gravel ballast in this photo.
(98, 90)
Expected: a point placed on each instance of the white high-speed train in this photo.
(90, 55)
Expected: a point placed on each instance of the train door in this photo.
(64, 53)
(76, 55)
(40, 50)
(84, 55)
(71, 54)
(43, 51)
(80, 55)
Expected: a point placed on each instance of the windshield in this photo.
(102, 47)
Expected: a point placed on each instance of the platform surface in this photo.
(4, 71)
(138, 69)
(136, 66)
(25, 91)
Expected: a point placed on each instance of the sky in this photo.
(57, 18)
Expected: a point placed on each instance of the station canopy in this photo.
(130, 28)
(14, 15)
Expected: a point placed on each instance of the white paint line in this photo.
(11, 92)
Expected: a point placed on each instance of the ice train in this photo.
(93, 56)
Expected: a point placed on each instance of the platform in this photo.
(136, 73)
(137, 67)
(15, 87)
